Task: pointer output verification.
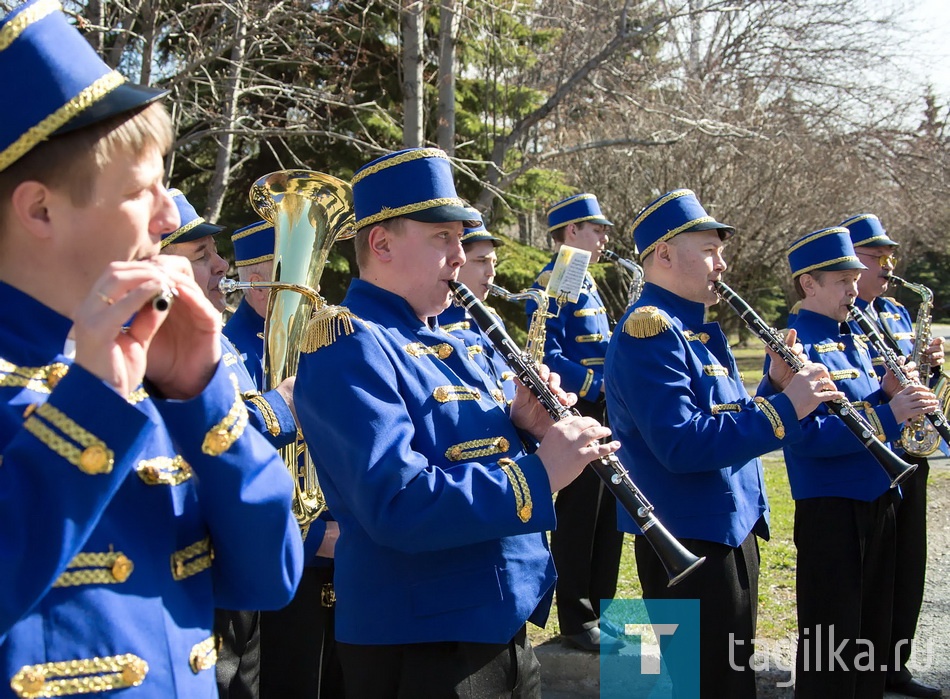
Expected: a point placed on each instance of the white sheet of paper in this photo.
(567, 277)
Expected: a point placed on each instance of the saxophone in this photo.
(919, 436)
(635, 270)
(537, 332)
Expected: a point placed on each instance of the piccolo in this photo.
(676, 559)
(896, 468)
(163, 301)
(892, 362)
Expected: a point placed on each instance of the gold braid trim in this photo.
(872, 417)
(443, 350)
(267, 412)
(204, 655)
(477, 447)
(646, 321)
(696, 337)
(180, 232)
(39, 379)
(726, 408)
(84, 676)
(95, 458)
(106, 568)
(473, 350)
(192, 559)
(715, 370)
(829, 347)
(253, 260)
(137, 396)
(844, 374)
(444, 394)
(461, 325)
(593, 337)
(386, 212)
(326, 324)
(587, 312)
(826, 263)
(593, 361)
(588, 380)
(220, 437)
(12, 30)
(519, 487)
(778, 428)
(399, 160)
(163, 470)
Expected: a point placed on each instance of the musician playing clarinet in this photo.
(844, 503)
(692, 435)
(442, 556)
(876, 250)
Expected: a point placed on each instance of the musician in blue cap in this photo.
(442, 556)
(877, 251)
(297, 645)
(586, 544)
(239, 632)
(478, 274)
(135, 452)
(844, 505)
(692, 435)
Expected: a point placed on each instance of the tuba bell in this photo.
(309, 211)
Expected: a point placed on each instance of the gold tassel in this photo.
(326, 325)
(646, 321)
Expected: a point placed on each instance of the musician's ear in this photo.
(808, 284)
(663, 254)
(379, 243)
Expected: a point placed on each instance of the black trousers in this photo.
(442, 670)
(845, 586)
(237, 671)
(298, 652)
(726, 585)
(910, 567)
(586, 545)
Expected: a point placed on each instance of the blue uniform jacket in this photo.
(456, 320)
(691, 435)
(442, 513)
(895, 321)
(244, 335)
(112, 573)
(576, 339)
(831, 461)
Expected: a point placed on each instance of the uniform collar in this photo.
(823, 325)
(690, 313)
(373, 302)
(249, 316)
(26, 319)
(452, 314)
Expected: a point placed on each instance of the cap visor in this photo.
(202, 230)
(445, 214)
(724, 230)
(125, 98)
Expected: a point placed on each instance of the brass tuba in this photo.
(309, 211)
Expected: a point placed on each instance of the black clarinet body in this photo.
(676, 559)
(892, 361)
(896, 468)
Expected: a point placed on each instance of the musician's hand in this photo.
(286, 390)
(108, 344)
(935, 351)
(187, 348)
(892, 385)
(911, 401)
(810, 387)
(569, 446)
(328, 545)
(528, 414)
(780, 373)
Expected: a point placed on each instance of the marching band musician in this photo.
(298, 650)
(239, 653)
(876, 250)
(477, 274)
(442, 555)
(586, 544)
(135, 453)
(691, 435)
(844, 514)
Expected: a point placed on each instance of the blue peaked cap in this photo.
(56, 80)
(678, 211)
(867, 230)
(476, 234)
(254, 243)
(192, 225)
(415, 183)
(575, 209)
(829, 249)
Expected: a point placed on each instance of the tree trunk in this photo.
(413, 34)
(448, 36)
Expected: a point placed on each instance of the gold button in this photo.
(134, 672)
(502, 444)
(444, 351)
(149, 474)
(95, 460)
(455, 453)
(56, 373)
(441, 394)
(841, 347)
(122, 568)
(216, 442)
(524, 514)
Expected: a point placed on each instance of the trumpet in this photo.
(676, 559)
(896, 468)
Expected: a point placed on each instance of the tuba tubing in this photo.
(896, 468)
(676, 559)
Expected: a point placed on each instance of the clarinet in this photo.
(676, 559)
(892, 362)
(897, 469)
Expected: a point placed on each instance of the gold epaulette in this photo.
(894, 301)
(543, 279)
(646, 321)
(326, 325)
(795, 308)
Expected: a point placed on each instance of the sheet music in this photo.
(568, 274)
